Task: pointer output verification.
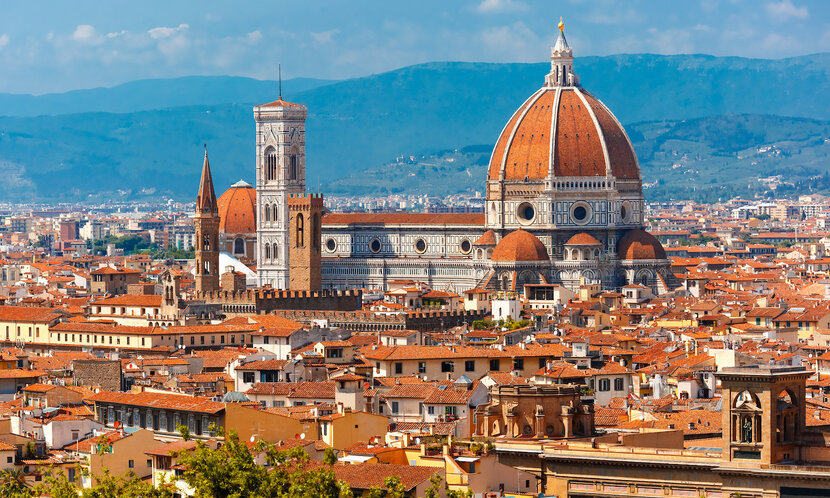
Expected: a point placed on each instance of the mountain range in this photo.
(143, 139)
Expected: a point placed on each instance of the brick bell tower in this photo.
(206, 224)
(304, 214)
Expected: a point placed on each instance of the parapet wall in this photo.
(267, 300)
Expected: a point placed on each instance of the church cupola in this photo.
(561, 62)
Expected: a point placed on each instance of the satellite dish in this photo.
(302, 436)
(417, 440)
(253, 438)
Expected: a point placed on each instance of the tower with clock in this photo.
(280, 172)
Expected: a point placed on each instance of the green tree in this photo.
(330, 457)
(124, 486)
(13, 484)
(184, 431)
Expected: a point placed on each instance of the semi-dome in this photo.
(583, 239)
(237, 209)
(520, 246)
(639, 244)
(562, 131)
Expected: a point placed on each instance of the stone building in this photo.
(564, 203)
(534, 411)
(765, 450)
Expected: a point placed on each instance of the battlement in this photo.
(260, 301)
(305, 201)
(369, 321)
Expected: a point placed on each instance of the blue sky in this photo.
(51, 46)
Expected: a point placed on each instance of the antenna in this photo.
(279, 72)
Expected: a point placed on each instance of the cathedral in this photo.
(564, 205)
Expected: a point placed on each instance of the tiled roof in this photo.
(130, 300)
(520, 245)
(276, 388)
(582, 239)
(368, 475)
(263, 365)
(160, 400)
(475, 219)
(315, 390)
(28, 314)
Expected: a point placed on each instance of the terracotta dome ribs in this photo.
(578, 149)
(623, 161)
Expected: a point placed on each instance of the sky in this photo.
(55, 46)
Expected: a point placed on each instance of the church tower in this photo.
(305, 267)
(207, 233)
(280, 159)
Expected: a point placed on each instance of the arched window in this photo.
(270, 164)
(206, 242)
(267, 213)
(206, 268)
(239, 246)
(300, 230)
(292, 166)
(274, 216)
(266, 253)
(315, 231)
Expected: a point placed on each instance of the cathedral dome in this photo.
(562, 131)
(520, 246)
(237, 209)
(639, 244)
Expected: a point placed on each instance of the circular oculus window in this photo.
(465, 246)
(526, 212)
(625, 212)
(420, 246)
(581, 213)
(331, 245)
(375, 246)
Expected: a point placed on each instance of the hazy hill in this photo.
(144, 95)
(703, 158)
(364, 122)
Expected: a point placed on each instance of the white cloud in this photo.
(4, 40)
(254, 37)
(785, 9)
(515, 43)
(324, 36)
(491, 6)
(85, 33)
(167, 32)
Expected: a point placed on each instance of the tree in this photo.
(125, 486)
(13, 484)
(330, 457)
(184, 431)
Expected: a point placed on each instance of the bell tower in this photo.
(763, 413)
(305, 213)
(206, 224)
(280, 162)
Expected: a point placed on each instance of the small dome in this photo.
(520, 246)
(639, 244)
(237, 209)
(582, 239)
(488, 239)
